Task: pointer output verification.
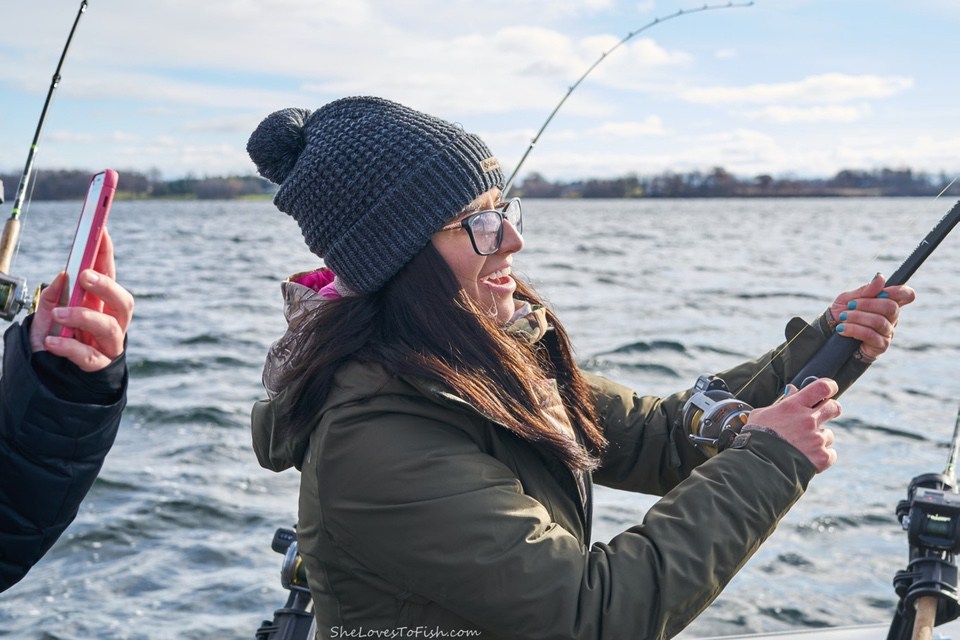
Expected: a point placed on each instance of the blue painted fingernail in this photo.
(883, 294)
(839, 328)
(786, 391)
(852, 304)
(843, 316)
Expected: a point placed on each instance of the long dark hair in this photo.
(422, 324)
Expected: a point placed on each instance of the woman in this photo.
(446, 438)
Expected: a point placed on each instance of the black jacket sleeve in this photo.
(56, 425)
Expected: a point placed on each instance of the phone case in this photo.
(86, 239)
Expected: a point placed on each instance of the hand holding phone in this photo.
(100, 325)
(86, 240)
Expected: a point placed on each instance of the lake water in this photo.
(174, 539)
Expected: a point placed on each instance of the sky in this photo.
(800, 88)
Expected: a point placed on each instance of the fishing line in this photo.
(947, 187)
(603, 56)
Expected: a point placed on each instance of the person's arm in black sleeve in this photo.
(52, 445)
(61, 404)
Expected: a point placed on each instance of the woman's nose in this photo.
(512, 240)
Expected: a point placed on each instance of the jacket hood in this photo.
(302, 293)
(277, 448)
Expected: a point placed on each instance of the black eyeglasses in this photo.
(485, 228)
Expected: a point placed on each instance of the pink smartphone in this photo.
(86, 240)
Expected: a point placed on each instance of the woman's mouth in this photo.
(499, 280)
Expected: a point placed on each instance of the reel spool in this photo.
(713, 416)
(13, 295)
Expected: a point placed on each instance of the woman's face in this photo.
(485, 279)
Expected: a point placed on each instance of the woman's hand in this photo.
(869, 314)
(101, 322)
(798, 417)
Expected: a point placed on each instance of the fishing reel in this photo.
(293, 575)
(13, 295)
(931, 517)
(293, 621)
(13, 290)
(713, 416)
(931, 514)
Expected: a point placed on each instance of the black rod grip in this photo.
(826, 362)
(835, 352)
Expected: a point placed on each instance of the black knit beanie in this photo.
(369, 181)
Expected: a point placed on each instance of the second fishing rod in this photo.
(13, 290)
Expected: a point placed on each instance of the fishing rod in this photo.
(714, 415)
(13, 290)
(603, 56)
(928, 586)
(838, 349)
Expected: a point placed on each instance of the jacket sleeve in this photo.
(51, 451)
(649, 449)
(419, 503)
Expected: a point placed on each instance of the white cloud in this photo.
(71, 137)
(820, 89)
(650, 126)
(636, 66)
(124, 137)
(221, 124)
(807, 115)
(202, 74)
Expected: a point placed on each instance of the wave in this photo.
(604, 367)
(647, 347)
(153, 415)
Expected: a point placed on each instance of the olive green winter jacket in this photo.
(419, 517)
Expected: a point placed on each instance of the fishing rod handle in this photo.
(925, 618)
(826, 362)
(8, 243)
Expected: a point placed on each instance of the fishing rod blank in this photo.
(12, 289)
(603, 56)
(838, 349)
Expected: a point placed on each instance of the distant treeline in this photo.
(718, 183)
(72, 185)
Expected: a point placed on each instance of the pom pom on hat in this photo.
(276, 144)
(369, 181)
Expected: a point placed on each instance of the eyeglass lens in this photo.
(487, 226)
